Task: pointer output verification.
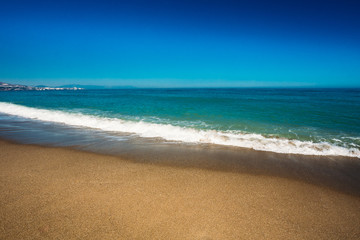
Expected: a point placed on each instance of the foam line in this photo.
(181, 134)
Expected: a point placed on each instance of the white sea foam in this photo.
(352, 138)
(182, 134)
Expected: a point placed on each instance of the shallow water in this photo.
(298, 121)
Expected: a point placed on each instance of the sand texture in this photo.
(57, 193)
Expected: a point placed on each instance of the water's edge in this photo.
(171, 133)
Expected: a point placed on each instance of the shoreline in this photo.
(65, 193)
(333, 172)
(186, 135)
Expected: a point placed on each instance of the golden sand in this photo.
(56, 193)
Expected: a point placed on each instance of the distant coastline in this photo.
(18, 87)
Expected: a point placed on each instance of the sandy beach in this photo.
(58, 193)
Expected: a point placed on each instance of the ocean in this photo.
(291, 121)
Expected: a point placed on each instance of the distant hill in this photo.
(82, 86)
(14, 87)
(19, 87)
(96, 86)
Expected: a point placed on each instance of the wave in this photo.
(182, 134)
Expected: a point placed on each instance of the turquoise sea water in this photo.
(300, 121)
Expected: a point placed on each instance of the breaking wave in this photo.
(182, 134)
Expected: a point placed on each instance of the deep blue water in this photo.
(280, 120)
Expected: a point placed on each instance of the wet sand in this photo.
(58, 193)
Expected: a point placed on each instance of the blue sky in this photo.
(181, 43)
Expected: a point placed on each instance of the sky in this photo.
(183, 43)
